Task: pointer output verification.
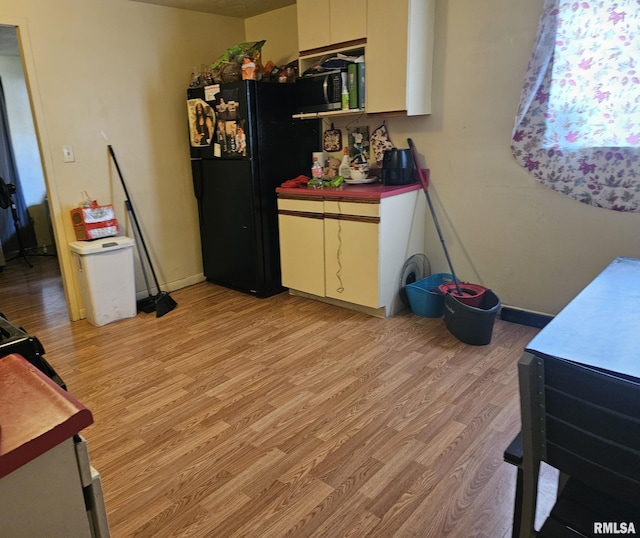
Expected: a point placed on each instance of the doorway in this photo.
(30, 237)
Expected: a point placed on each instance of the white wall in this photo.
(119, 69)
(280, 29)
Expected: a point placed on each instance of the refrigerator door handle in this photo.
(196, 170)
(197, 188)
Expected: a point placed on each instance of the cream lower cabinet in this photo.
(301, 225)
(350, 251)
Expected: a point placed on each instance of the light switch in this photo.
(67, 153)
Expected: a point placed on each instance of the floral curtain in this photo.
(577, 129)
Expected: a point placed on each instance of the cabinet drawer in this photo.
(361, 209)
(295, 205)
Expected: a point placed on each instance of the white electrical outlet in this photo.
(67, 153)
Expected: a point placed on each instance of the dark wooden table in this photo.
(600, 330)
(600, 327)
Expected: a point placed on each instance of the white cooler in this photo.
(106, 277)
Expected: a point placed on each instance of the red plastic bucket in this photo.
(470, 294)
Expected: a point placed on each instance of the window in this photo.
(594, 98)
(577, 129)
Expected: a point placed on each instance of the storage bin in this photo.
(470, 294)
(425, 298)
(469, 324)
(106, 277)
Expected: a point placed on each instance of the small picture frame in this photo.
(332, 140)
(358, 142)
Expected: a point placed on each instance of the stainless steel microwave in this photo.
(320, 92)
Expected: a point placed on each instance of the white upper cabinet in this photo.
(399, 56)
(313, 23)
(322, 23)
(348, 20)
(396, 38)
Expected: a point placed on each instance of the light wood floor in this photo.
(240, 417)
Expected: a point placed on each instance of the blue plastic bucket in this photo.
(425, 298)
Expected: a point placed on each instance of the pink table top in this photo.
(366, 191)
(35, 413)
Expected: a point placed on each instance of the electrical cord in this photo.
(340, 288)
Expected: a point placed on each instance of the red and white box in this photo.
(94, 222)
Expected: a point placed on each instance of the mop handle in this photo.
(425, 186)
(444, 246)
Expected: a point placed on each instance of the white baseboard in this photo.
(173, 286)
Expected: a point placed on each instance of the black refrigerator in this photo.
(244, 144)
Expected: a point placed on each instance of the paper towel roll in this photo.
(322, 157)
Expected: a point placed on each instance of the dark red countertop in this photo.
(35, 414)
(374, 191)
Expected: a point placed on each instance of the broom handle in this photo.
(425, 187)
(136, 233)
(135, 219)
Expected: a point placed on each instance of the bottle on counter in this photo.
(344, 169)
(316, 174)
(316, 168)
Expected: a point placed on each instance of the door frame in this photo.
(44, 149)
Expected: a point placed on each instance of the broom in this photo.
(162, 302)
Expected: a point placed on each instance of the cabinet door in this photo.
(45, 497)
(228, 230)
(400, 56)
(348, 20)
(351, 260)
(302, 245)
(387, 56)
(313, 23)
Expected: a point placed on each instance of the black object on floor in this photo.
(7, 190)
(531, 319)
(16, 340)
